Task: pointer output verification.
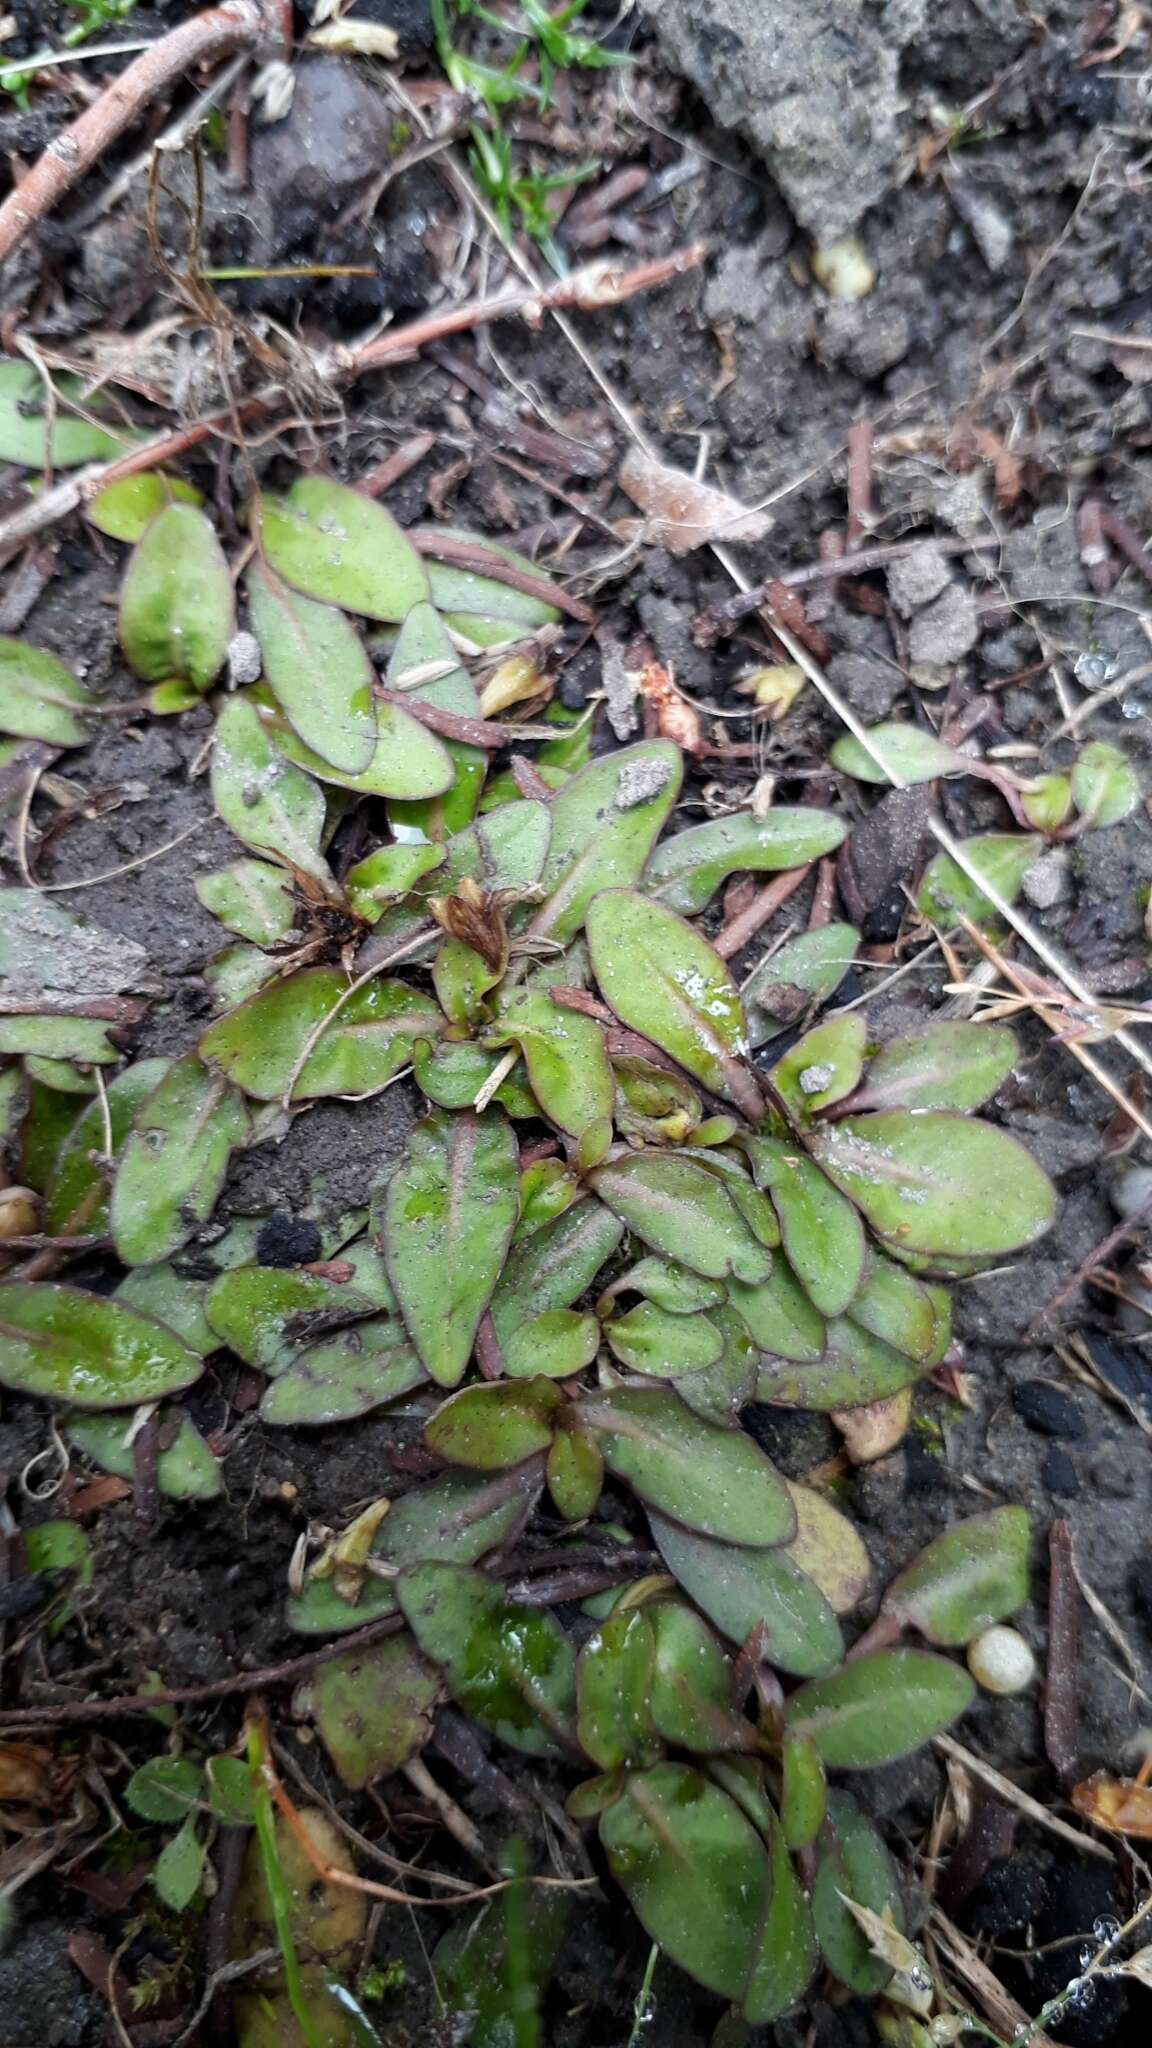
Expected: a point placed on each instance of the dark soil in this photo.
(991, 265)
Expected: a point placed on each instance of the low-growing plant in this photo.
(611, 1230)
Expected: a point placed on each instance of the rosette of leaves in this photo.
(609, 1232)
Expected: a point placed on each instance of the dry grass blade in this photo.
(997, 2004)
(949, 1747)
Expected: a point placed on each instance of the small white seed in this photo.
(19, 1212)
(1001, 1661)
(844, 269)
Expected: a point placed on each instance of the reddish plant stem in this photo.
(530, 784)
(472, 554)
(72, 154)
(1060, 1717)
(1129, 543)
(825, 894)
(732, 938)
(861, 437)
(1090, 1265)
(394, 466)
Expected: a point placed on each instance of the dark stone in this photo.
(924, 1470)
(284, 1240)
(1048, 1410)
(1058, 1475)
(335, 137)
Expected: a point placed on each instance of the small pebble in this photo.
(844, 269)
(1048, 1410)
(638, 781)
(1131, 1189)
(245, 662)
(284, 1240)
(1058, 1475)
(1000, 1660)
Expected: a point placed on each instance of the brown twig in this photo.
(1094, 556)
(1063, 1654)
(732, 938)
(1129, 543)
(389, 471)
(484, 561)
(720, 619)
(861, 440)
(69, 157)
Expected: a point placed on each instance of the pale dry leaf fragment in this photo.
(352, 37)
(681, 514)
(912, 1984)
(621, 685)
(874, 1430)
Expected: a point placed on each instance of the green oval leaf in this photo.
(176, 610)
(788, 1951)
(950, 1066)
(568, 1067)
(854, 1864)
(490, 1428)
(804, 1791)
(901, 1311)
(910, 755)
(449, 1213)
(459, 1518)
(613, 1679)
(823, 1066)
(651, 1340)
(318, 671)
(575, 1474)
(605, 823)
(511, 1668)
(935, 1182)
(690, 1698)
(683, 1211)
(165, 1788)
(425, 664)
(70, 1346)
(260, 1045)
(672, 1287)
(342, 547)
(663, 980)
(1105, 785)
(972, 1575)
(685, 871)
(34, 436)
(822, 1234)
(372, 1708)
(407, 761)
(39, 698)
(123, 509)
(349, 1375)
(800, 976)
(856, 1369)
(251, 898)
(383, 877)
(76, 1197)
(754, 1591)
(175, 1161)
(170, 1297)
(881, 1707)
(779, 1315)
(186, 1470)
(714, 1480)
(266, 802)
(557, 1344)
(266, 1313)
(552, 1268)
(695, 1872)
(1001, 858)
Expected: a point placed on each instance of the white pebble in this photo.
(1001, 1661)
